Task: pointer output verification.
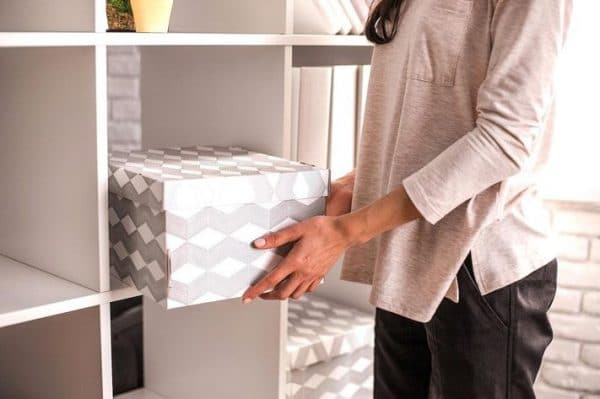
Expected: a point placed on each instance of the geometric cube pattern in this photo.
(319, 330)
(186, 258)
(137, 241)
(347, 376)
(330, 350)
(182, 219)
(189, 178)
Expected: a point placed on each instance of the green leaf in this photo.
(121, 5)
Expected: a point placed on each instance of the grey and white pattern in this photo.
(183, 256)
(330, 350)
(319, 330)
(191, 178)
(347, 376)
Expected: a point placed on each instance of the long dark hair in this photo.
(375, 27)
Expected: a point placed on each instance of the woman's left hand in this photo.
(319, 242)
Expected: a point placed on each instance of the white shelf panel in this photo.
(47, 39)
(139, 394)
(329, 40)
(27, 293)
(66, 39)
(229, 39)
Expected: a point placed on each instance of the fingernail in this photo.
(246, 301)
(259, 242)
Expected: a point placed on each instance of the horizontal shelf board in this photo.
(60, 39)
(139, 394)
(228, 39)
(27, 293)
(47, 39)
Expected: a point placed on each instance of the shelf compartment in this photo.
(27, 293)
(55, 357)
(214, 95)
(63, 39)
(55, 15)
(53, 204)
(314, 55)
(204, 348)
(249, 16)
(139, 394)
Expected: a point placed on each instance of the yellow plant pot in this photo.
(151, 15)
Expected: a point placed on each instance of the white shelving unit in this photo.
(222, 77)
(64, 39)
(28, 294)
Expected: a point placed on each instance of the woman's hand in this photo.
(319, 242)
(339, 200)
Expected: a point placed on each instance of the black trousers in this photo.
(484, 347)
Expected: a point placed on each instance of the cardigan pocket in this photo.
(439, 40)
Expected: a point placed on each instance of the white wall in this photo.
(575, 164)
(571, 368)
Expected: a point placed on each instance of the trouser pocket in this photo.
(495, 305)
(491, 346)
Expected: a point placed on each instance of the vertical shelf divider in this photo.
(287, 152)
(104, 321)
(106, 350)
(102, 163)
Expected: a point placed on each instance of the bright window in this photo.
(574, 172)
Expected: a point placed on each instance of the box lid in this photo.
(187, 178)
(320, 330)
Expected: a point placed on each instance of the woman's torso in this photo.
(422, 97)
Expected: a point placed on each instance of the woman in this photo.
(441, 215)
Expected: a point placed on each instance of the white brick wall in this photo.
(124, 106)
(571, 368)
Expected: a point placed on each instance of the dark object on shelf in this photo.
(127, 345)
(119, 16)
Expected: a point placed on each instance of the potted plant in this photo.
(119, 16)
(151, 15)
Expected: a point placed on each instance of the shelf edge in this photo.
(70, 39)
(65, 306)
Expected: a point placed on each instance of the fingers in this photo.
(301, 290)
(279, 238)
(313, 286)
(274, 277)
(306, 287)
(285, 289)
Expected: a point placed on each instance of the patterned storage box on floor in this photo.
(182, 219)
(330, 350)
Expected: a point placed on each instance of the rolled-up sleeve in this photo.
(512, 104)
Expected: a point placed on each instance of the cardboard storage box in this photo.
(182, 219)
(330, 350)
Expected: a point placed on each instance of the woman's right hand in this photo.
(339, 200)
